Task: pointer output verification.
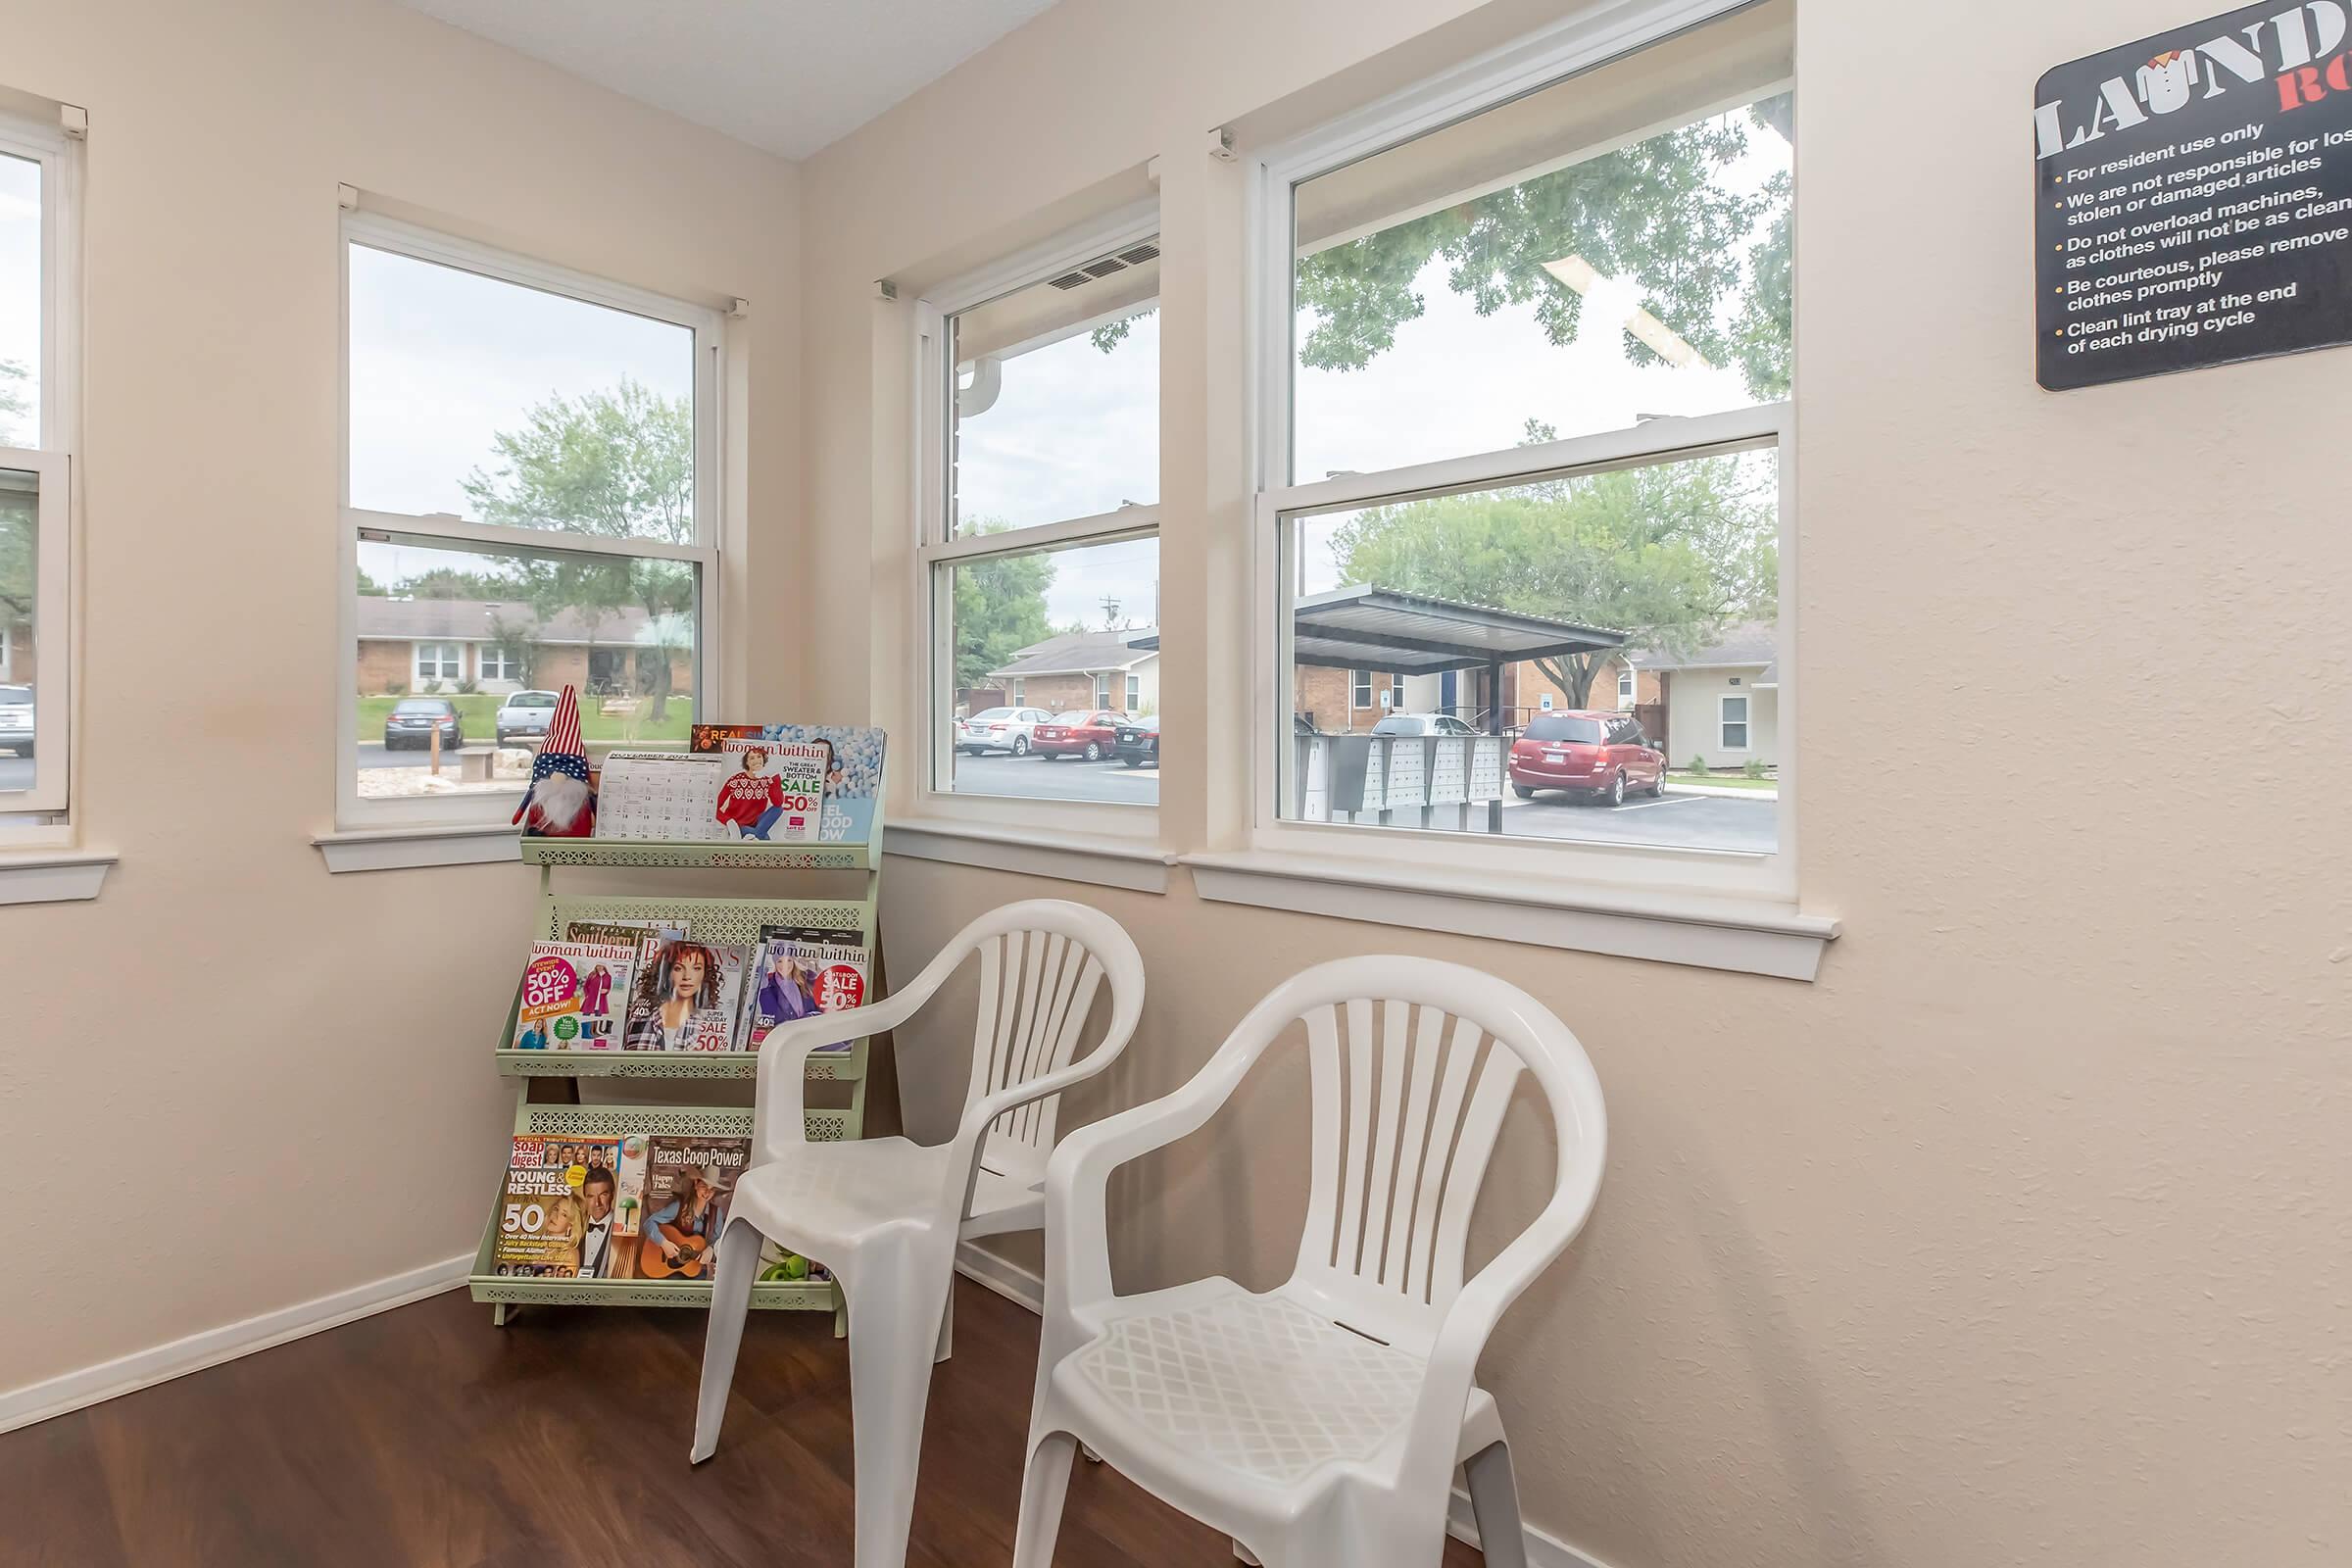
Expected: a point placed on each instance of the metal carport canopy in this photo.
(1367, 627)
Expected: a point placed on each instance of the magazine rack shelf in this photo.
(733, 920)
(503, 1292)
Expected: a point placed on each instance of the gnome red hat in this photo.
(560, 804)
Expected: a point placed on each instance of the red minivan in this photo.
(1599, 756)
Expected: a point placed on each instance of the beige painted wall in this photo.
(244, 1083)
(2019, 1237)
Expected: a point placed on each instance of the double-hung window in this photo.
(1039, 500)
(1526, 351)
(39, 361)
(532, 483)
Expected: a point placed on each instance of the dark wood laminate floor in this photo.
(424, 1436)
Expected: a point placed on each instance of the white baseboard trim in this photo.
(1017, 1284)
(72, 1390)
(1008, 1280)
(1543, 1549)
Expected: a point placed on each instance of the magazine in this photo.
(557, 1213)
(688, 996)
(853, 783)
(776, 790)
(802, 971)
(630, 933)
(572, 996)
(689, 1181)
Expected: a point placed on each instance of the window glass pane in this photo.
(1056, 411)
(19, 302)
(1062, 623)
(1551, 579)
(510, 405)
(20, 651)
(622, 632)
(1609, 248)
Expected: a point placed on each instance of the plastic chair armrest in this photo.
(779, 1100)
(1078, 1179)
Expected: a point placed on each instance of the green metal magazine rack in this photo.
(727, 920)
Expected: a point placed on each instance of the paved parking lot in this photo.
(1682, 822)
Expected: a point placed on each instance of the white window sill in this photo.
(1747, 936)
(1103, 861)
(402, 849)
(62, 876)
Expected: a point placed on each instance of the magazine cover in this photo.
(628, 933)
(688, 997)
(776, 790)
(688, 1183)
(852, 789)
(556, 1213)
(572, 996)
(803, 972)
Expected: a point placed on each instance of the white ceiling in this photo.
(789, 76)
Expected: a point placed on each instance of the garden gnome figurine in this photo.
(560, 804)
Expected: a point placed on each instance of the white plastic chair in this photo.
(1319, 1424)
(885, 1213)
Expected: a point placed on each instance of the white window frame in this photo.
(509, 667)
(1724, 722)
(1102, 692)
(1629, 693)
(42, 815)
(445, 532)
(1134, 693)
(416, 672)
(938, 548)
(1360, 689)
(1597, 36)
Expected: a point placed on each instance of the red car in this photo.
(1077, 734)
(1599, 756)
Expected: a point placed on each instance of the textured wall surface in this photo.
(2021, 1236)
(261, 1083)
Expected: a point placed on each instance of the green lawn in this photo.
(1726, 781)
(477, 710)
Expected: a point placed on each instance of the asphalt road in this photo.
(1061, 779)
(1680, 821)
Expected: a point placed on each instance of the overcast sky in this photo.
(20, 287)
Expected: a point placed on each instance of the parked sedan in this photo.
(1082, 732)
(524, 717)
(16, 719)
(1001, 729)
(412, 720)
(1136, 742)
(1594, 754)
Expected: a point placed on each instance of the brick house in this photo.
(1084, 670)
(406, 645)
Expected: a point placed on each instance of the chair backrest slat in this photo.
(1412, 1065)
(1347, 1254)
(1048, 984)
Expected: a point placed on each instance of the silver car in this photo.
(16, 719)
(524, 717)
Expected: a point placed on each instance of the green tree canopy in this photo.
(1651, 213)
(1670, 553)
(617, 465)
(999, 608)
